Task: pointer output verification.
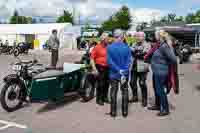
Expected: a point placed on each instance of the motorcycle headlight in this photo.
(185, 50)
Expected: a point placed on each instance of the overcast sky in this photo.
(98, 10)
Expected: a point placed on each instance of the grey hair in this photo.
(118, 33)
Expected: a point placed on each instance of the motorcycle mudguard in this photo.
(14, 78)
(11, 77)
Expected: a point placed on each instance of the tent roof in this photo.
(31, 28)
(176, 29)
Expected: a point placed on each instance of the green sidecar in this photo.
(28, 85)
(53, 84)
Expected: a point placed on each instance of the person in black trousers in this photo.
(100, 69)
(54, 45)
(119, 60)
(140, 69)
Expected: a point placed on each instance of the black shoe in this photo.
(164, 113)
(154, 108)
(125, 114)
(144, 103)
(101, 103)
(134, 99)
(113, 114)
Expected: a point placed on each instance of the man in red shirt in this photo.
(100, 68)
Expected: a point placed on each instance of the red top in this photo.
(99, 55)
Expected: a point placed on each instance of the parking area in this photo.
(75, 117)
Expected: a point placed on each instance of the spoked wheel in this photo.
(10, 97)
(16, 52)
(87, 91)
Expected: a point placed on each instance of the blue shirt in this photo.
(118, 58)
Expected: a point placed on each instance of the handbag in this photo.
(142, 66)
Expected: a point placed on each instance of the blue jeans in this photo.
(160, 85)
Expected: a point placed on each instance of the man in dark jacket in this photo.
(54, 45)
(119, 61)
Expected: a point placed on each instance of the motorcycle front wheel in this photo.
(10, 96)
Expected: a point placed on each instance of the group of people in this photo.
(119, 65)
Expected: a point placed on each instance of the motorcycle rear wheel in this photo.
(87, 91)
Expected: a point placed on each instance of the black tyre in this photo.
(8, 93)
(87, 91)
(16, 52)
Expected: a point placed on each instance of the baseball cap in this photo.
(118, 33)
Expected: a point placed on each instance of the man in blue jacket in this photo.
(119, 60)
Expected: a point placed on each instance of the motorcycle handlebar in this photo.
(27, 63)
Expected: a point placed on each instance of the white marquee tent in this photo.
(40, 32)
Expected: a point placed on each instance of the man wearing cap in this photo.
(139, 68)
(119, 60)
(54, 44)
(100, 68)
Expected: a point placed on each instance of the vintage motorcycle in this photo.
(16, 85)
(184, 52)
(21, 48)
(5, 49)
(33, 82)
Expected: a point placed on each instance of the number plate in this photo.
(16, 67)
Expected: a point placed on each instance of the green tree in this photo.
(190, 18)
(109, 24)
(171, 17)
(67, 17)
(180, 18)
(193, 17)
(29, 20)
(17, 19)
(197, 17)
(120, 20)
(123, 18)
